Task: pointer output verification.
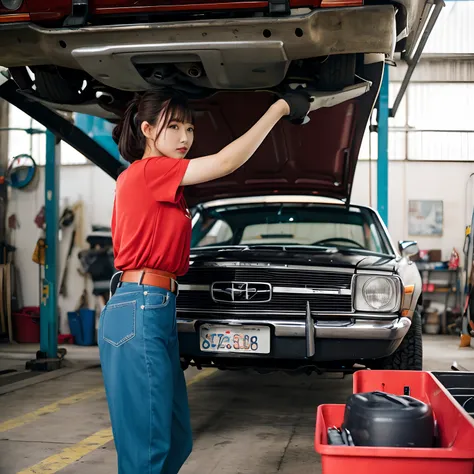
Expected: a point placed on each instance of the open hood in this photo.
(318, 158)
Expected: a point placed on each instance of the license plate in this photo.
(244, 339)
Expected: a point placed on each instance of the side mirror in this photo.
(408, 248)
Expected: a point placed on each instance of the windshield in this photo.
(288, 225)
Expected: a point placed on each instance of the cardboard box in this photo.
(434, 255)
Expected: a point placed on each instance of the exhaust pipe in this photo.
(194, 71)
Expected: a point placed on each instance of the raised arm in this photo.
(234, 155)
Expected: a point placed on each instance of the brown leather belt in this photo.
(151, 276)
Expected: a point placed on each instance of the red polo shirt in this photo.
(151, 223)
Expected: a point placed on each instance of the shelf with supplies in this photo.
(438, 279)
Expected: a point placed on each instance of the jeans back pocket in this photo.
(119, 322)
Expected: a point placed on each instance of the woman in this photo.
(151, 232)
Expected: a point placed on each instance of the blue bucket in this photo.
(82, 326)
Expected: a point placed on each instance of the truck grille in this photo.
(277, 277)
(289, 303)
(293, 304)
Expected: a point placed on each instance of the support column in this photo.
(382, 158)
(47, 358)
(49, 324)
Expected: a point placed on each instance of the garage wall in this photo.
(86, 184)
(418, 180)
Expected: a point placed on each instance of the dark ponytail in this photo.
(130, 140)
(147, 107)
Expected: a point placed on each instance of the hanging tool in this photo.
(467, 324)
(63, 287)
(21, 171)
(467, 319)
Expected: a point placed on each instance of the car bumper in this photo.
(353, 340)
(235, 54)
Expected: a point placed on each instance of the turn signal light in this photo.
(14, 17)
(341, 3)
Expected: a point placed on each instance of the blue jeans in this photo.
(144, 383)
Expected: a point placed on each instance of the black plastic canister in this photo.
(383, 419)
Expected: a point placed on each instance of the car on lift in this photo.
(91, 56)
(323, 303)
(294, 283)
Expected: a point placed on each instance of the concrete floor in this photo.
(242, 422)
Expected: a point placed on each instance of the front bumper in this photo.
(235, 54)
(329, 341)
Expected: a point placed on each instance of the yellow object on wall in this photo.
(39, 253)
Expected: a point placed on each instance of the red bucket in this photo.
(26, 325)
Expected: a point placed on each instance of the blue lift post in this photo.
(382, 157)
(49, 358)
(48, 312)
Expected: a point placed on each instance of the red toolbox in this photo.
(455, 453)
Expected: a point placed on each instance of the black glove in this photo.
(299, 102)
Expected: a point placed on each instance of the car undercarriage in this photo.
(94, 60)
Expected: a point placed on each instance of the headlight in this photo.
(11, 4)
(377, 293)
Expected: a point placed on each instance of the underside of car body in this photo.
(231, 59)
(92, 57)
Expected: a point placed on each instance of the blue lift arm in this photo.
(63, 129)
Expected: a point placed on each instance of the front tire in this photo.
(337, 72)
(409, 355)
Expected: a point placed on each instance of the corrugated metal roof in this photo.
(457, 146)
(419, 145)
(431, 69)
(441, 106)
(440, 125)
(396, 146)
(454, 30)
